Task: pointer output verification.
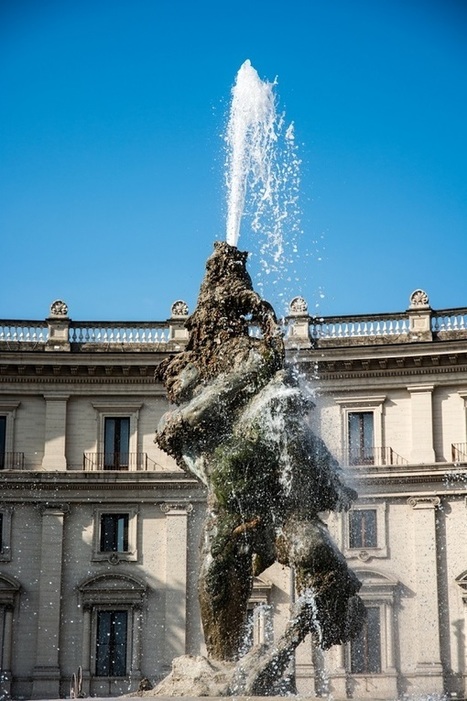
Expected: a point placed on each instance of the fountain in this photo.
(240, 426)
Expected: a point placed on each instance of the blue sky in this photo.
(112, 158)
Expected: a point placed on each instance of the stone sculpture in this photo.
(241, 427)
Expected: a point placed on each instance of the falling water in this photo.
(262, 171)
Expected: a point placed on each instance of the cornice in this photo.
(453, 479)
(33, 486)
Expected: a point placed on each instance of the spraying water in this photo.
(262, 171)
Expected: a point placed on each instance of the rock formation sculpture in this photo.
(240, 426)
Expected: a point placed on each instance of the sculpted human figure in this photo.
(240, 426)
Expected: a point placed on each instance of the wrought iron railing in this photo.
(118, 461)
(12, 461)
(459, 452)
(376, 457)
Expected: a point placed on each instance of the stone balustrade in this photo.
(418, 323)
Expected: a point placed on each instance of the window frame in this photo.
(367, 404)
(95, 637)
(8, 411)
(114, 557)
(118, 410)
(367, 656)
(378, 591)
(380, 550)
(118, 592)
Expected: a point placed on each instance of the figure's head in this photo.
(226, 259)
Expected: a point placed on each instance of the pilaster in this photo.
(422, 424)
(55, 431)
(46, 673)
(176, 577)
(428, 677)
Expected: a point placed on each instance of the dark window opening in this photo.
(2, 441)
(365, 648)
(114, 533)
(116, 443)
(363, 529)
(361, 431)
(111, 644)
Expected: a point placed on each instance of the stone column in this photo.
(55, 432)
(422, 424)
(46, 673)
(428, 676)
(337, 672)
(176, 577)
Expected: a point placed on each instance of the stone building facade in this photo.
(100, 529)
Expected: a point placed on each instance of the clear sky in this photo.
(112, 158)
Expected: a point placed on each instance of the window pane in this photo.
(103, 643)
(111, 647)
(365, 649)
(118, 661)
(362, 528)
(114, 533)
(2, 441)
(361, 438)
(116, 442)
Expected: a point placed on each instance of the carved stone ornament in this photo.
(298, 305)
(172, 507)
(179, 308)
(58, 308)
(419, 298)
(424, 502)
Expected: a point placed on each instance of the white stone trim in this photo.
(379, 590)
(366, 554)
(108, 593)
(349, 405)
(114, 558)
(8, 408)
(113, 410)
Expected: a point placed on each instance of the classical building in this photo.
(100, 529)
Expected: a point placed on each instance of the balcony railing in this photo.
(459, 452)
(377, 457)
(117, 461)
(12, 461)
(119, 332)
(386, 327)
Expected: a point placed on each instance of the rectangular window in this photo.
(116, 443)
(361, 438)
(111, 644)
(2, 441)
(365, 648)
(114, 533)
(363, 528)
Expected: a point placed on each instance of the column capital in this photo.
(424, 502)
(173, 508)
(52, 508)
